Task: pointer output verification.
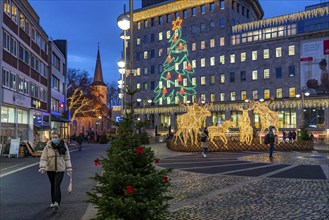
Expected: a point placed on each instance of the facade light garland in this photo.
(281, 19)
(274, 105)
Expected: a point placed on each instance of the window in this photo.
(23, 86)
(145, 86)
(193, 11)
(222, 96)
(292, 71)
(152, 38)
(138, 25)
(212, 43)
(160, 68)
(267, 94)
(138, 85)
(254, 55)
(193, 63)
(176, 15)
(202, 80)
(243, 95)
(266, 73)
(232, 96)
(221, 41)
(55, 83)
(278, 52)
(55, 61)
(203, 97)
(194, 29)
(212, 97)
(27, 26)
(203, 62)
(212, 61)
(145, 55)
(221, 22)
(22, 21)
(185, 13)
(279, 93)
(232, 77)
(211, 25)
(176, 66)
(152, 22)
(193, 46)
(7, 115)
(22, 116)
(9, 43)
(14, 13)
(243, 57)
(222, 78)
(138, 41)
(193, 81)
(152, 53)
(203, 9)
(185, 82)
(160, 52)
(145, 39)
(54, 105)
(212, 7)
(33, 34)
(6, 7)
(146, 23)
(222, 59)
(243, 76)
(152, 69)
(212, 79)
(138, 71)
(221, 4)
(168, 34)
(202, 27)
(291, 50)
(254, 75)
(160, 20)
(9, 79)
(168, 18)
(232, 58)
(255, 94)
(266, 53)
(145, 70)
(278, 72)
(203, 45)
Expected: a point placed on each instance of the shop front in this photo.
(61, 125)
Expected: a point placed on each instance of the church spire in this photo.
(98, 75)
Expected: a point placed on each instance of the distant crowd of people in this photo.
(291, 136)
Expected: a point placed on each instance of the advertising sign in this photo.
(314, 66)
(14, 147)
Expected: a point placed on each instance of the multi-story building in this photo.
(25, 78)
(236, 56)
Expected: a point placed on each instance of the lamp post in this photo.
(302, 93)
(124, 23)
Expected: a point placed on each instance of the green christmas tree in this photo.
(130, 187)
(175, 82)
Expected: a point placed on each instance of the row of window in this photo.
(11, 10)
(8, 115)
(231, 96)
(264, 34)
(183, 14)
(243, 55)
(16, 83)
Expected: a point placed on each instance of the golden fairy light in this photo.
(246, 131)
(220, 131)
(189, 123)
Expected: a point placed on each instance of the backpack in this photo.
(267, 139)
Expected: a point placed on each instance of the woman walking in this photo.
(55, 159)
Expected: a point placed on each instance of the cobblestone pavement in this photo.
(217, 196)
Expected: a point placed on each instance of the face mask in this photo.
(55, 140)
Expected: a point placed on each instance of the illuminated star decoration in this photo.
(177, 23)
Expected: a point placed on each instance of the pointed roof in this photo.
(98, 75)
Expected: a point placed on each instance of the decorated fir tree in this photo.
(175, 82)
(130, 187)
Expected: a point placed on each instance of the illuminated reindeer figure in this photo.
(246, 131)
(266, 115)
(219, 131)
(189, 123)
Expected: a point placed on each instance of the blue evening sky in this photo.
(85, 23)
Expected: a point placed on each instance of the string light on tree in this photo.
(175, 83)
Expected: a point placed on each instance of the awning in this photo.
(58, 118)
(42, 127)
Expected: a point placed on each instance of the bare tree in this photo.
(112, 95)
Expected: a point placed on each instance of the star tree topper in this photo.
(177, 23)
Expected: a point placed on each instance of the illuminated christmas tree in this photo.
(175, 82)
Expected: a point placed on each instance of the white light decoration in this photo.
(120, 95)
(139, 100)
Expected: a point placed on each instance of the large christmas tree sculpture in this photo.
(175, 81)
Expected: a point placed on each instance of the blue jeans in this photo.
(271, 149)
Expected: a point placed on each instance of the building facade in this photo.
(236, 56)
(25, 89)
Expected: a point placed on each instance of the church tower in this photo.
(98, 87)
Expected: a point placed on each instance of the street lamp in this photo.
(302, 93)
(125, 23)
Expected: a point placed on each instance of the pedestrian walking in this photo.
(270, 139)
(204, 141)
(80, 139)
(55, 159)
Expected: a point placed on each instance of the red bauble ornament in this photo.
(180, 46)
(139, 150)
(165, 179)
(182, 91)
(175, 39)
(97, 162)
(129, 189)
(179, 78)
(169, 59)
(189, 67)
(164, 91)
(157, 161)
(168, 76)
